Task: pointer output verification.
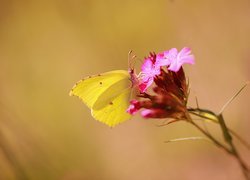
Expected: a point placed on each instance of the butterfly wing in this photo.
(107, 95)
(112, 109)
(89, 89)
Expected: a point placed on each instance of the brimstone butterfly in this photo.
(107, 95)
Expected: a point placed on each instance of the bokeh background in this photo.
(46, 46)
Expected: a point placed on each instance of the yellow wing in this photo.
(107, 95)
(114, 112)
(89, 89)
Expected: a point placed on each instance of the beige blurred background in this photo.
(46, 46)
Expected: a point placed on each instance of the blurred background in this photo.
(47, 46)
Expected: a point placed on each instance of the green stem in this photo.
(216, 142)
(228, 138)
(237, 136)
(201, 112)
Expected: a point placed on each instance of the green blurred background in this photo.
(46, 46)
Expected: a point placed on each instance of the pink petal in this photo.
(187, 59)
(177, 60)
(147, 65)
(161, 60)
(144, 85)
(146, 113)
(148, 71)
(184, 51)
(133, 107)
(153, 113)
(171, 54)
(174, 66)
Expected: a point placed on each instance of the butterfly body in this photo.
(107, 95)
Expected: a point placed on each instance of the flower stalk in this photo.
(207, 114)
(228, 138)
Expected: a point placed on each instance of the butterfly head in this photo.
(133, 77)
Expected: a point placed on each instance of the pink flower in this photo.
(170, 58)
(176, 59)
(168, 99)
(149, 70)
(170, 90)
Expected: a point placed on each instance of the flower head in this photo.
(170, 88)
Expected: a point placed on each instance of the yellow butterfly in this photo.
(107, 95)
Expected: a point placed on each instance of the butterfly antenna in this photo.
(130, 59)
(233, 97)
